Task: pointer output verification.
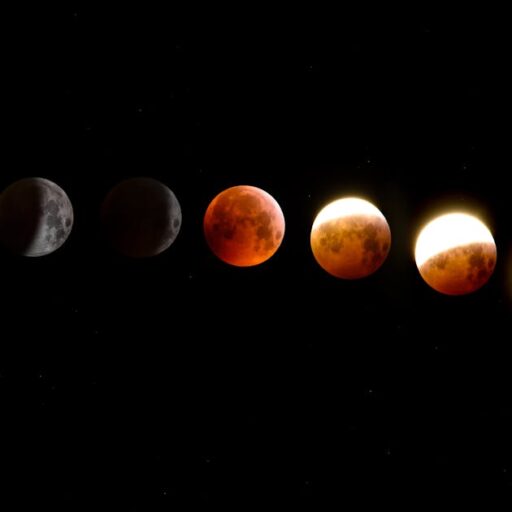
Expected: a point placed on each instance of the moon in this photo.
(244, 226)
(141, 217)
(36, 217)
(350, 238)
(456, 254)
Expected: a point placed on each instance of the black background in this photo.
(179, 378)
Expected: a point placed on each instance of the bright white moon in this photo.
(346, 207)
(350, 238)
(449, 231)
(455, 253)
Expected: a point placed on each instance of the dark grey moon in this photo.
(141, 217)
(36, 217)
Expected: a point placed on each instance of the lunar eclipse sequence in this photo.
(244, 226)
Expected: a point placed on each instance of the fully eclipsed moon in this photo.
(141, 217)
(244, 226)
(350, 238)
(36, 217)
(456, 254)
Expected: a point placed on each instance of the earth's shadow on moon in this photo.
(140, 217)
(36, 217)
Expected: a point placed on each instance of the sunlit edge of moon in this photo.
(448, 231)
(346, 207)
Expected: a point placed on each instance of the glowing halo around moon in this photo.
(350, 238)
(455, 254)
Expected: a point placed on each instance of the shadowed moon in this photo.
(244, 226)
(350, 238)
(141, 217)
(36, 217)
(456, 254)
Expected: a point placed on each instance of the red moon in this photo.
(456, 254)
(350, 238)
(244, 226)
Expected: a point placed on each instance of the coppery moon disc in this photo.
(244, 226)
(456, 254)
(350, 238)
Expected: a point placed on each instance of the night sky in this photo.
(178, 378)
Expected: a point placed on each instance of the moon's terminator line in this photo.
(36, 217)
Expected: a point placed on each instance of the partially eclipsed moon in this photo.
(244, 226)
(350, 238)
(456, 254)
(141, 217)
(36, 217)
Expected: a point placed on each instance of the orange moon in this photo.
(456, 254)
(244, 226)
(350, 238)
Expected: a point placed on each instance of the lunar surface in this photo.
(350, 238)
(244, 226)
(36, 217)
(141, 217)
(456, 254)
